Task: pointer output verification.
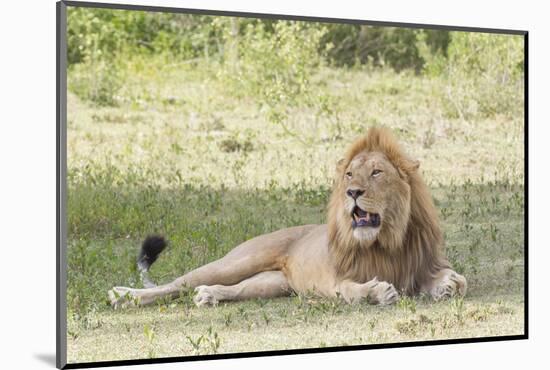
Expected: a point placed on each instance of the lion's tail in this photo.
(151, 248)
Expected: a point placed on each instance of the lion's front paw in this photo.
(451, 284)
(381, 292)
(122, 297)
(205, 296)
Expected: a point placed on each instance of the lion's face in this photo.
(372, 190)
(381, 218)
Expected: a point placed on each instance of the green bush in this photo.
(272, 63)
(484, 73)
(92, 34)
(105, 33)
(382, 46)
(275, 64)
(98, 82)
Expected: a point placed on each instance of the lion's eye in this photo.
(376, 173)
(348, 175)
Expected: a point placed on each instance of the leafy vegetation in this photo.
(215, 130)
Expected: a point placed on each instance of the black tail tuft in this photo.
(151, 248)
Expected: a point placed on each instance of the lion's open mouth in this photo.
(361, 218)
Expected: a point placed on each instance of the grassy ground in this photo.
(182, 156)
(286, 323)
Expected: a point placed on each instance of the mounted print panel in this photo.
(236, 184)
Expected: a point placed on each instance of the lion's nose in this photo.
(355, 193)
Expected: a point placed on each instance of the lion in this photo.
(382, 240)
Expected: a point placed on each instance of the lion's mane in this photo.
(408, 251)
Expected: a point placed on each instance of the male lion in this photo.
(383, 238)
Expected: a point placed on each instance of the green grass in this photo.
(182, 156)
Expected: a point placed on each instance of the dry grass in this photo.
(287, 324)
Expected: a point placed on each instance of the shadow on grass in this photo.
(483, 226)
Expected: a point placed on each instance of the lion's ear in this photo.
(414, 165)
(341, 165)
(407, 167)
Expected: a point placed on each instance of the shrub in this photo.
(484, 75)
(104, 33)
(382, 46)
(272, 63)
(97, 82)
(275, 61)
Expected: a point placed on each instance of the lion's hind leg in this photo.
(266, 284)
(447, 283)
(264, 253)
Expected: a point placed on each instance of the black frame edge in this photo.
(526, 181)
